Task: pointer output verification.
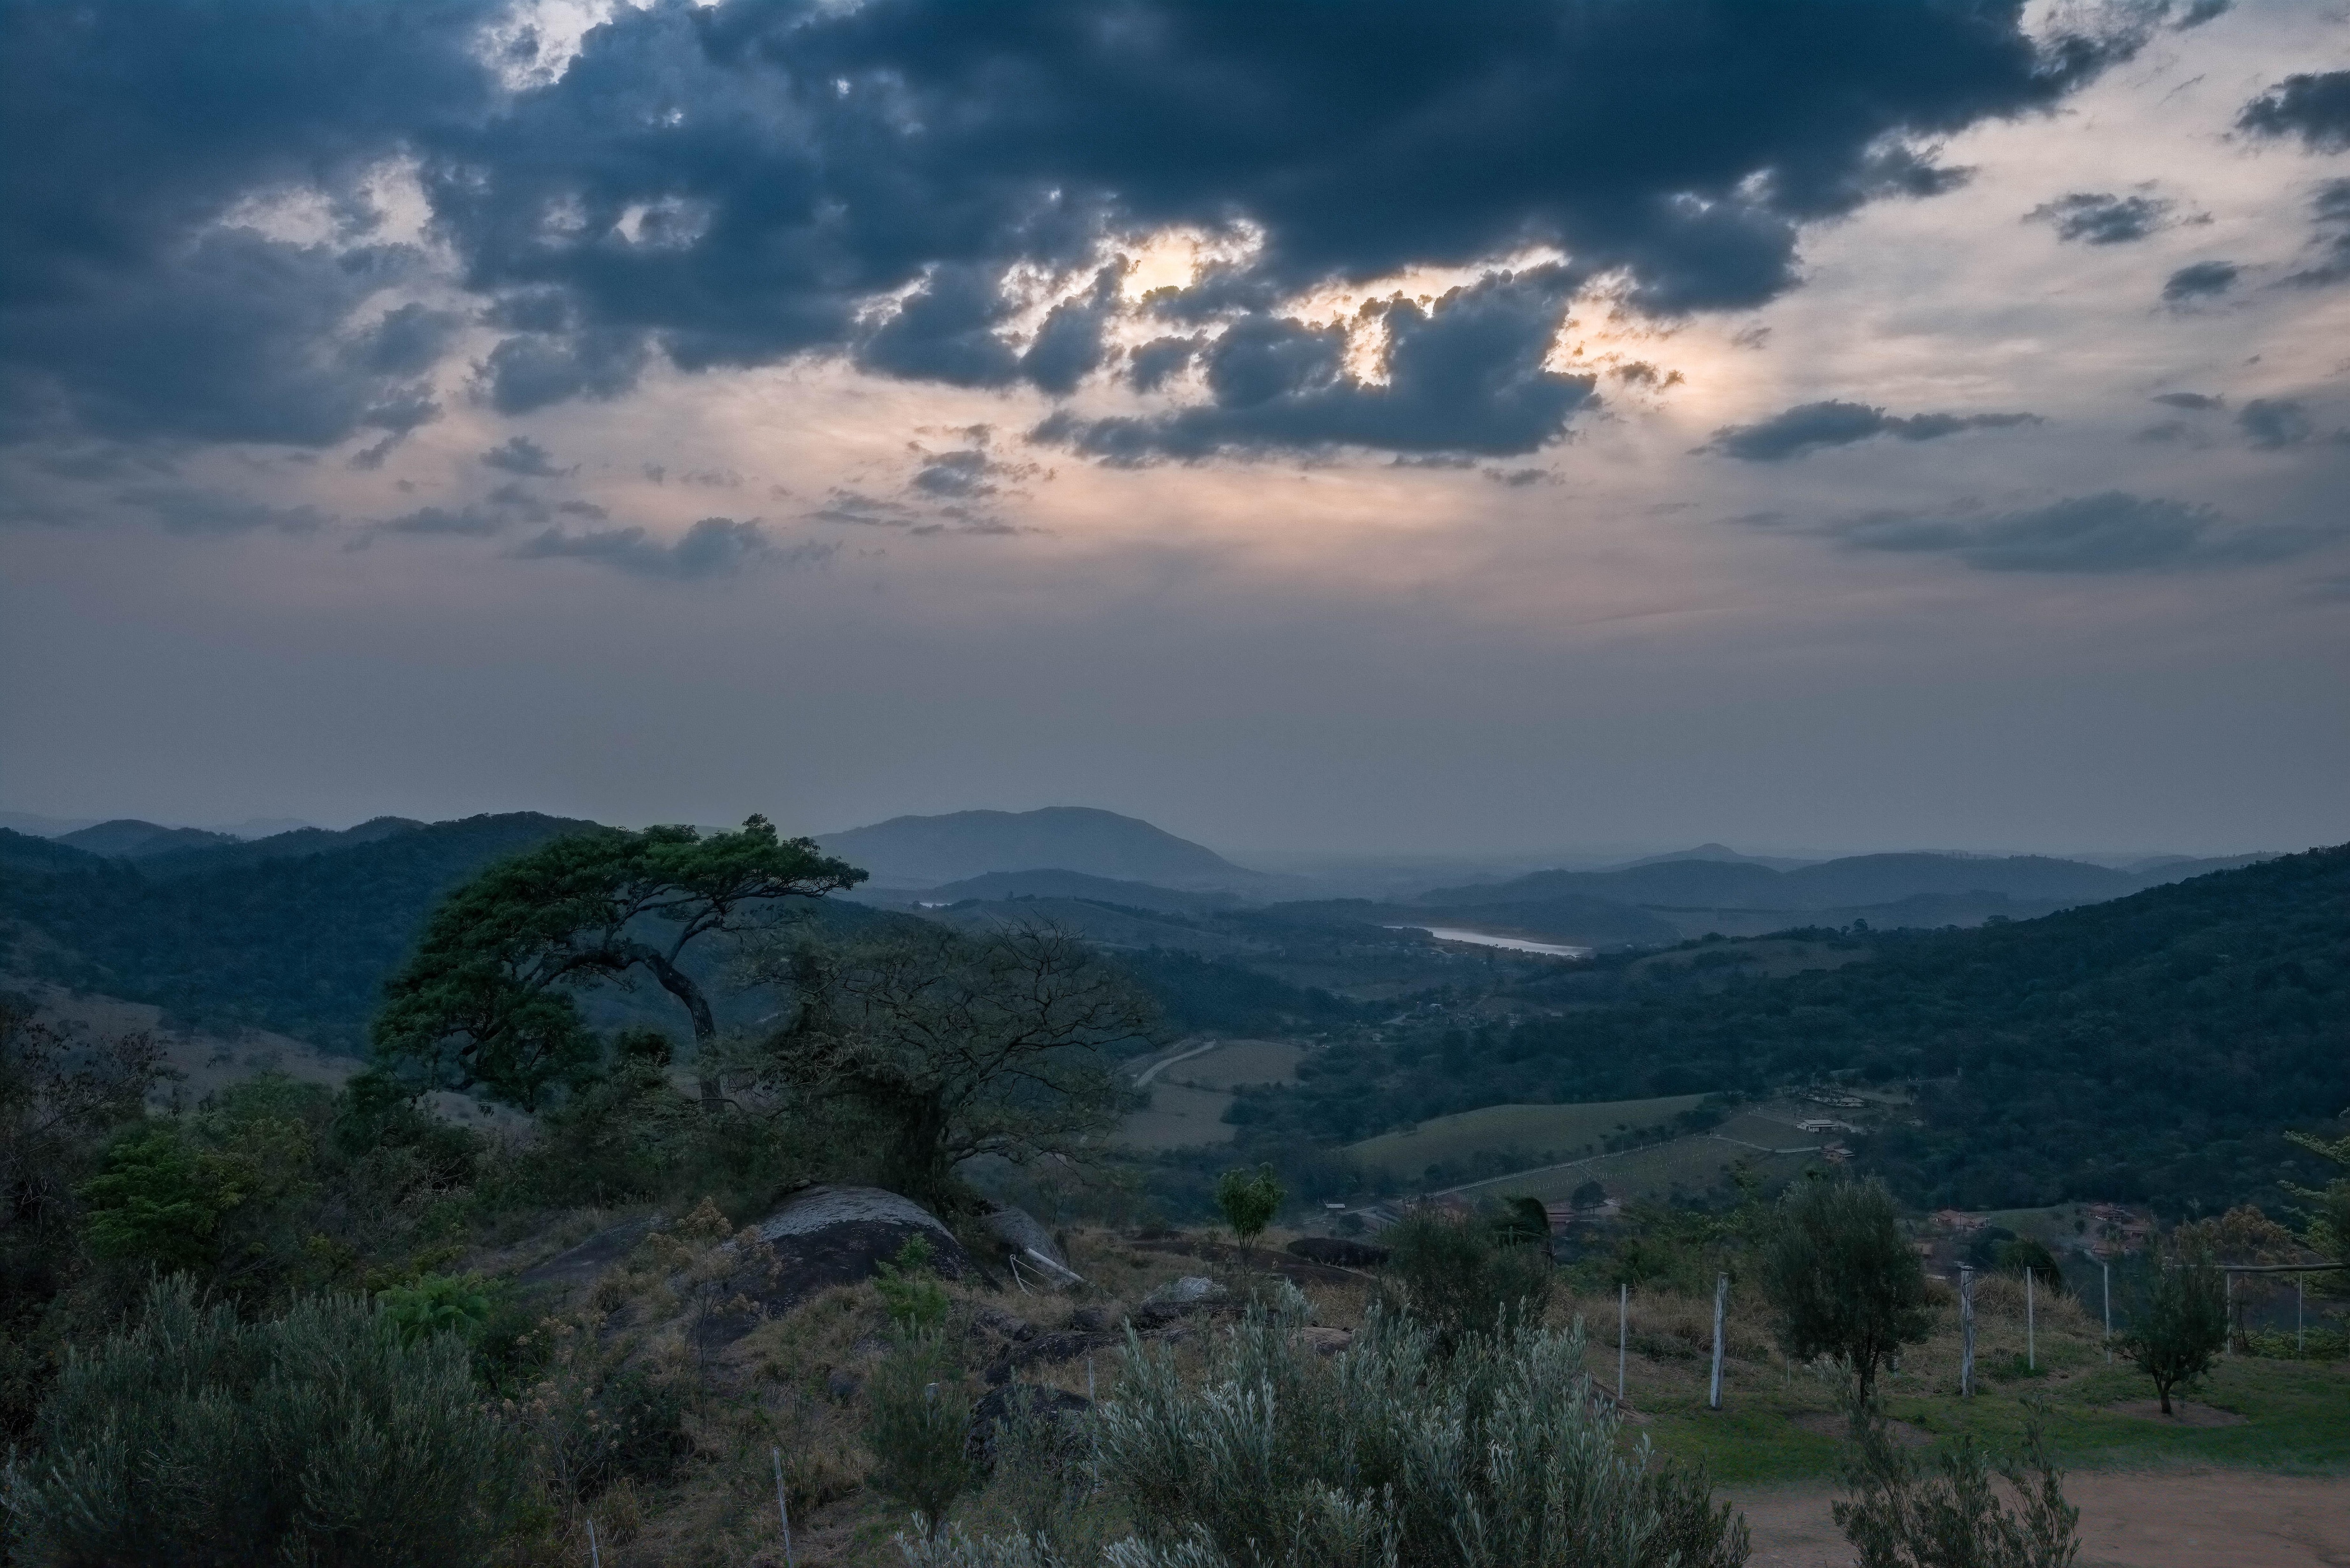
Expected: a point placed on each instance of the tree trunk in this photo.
(680, 984)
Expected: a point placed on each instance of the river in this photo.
(1487, 940)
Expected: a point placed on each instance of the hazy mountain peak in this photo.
(926, 851)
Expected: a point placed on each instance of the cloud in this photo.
(134, 307)
(2198, 12)
(2313, 107)
(2102, 219)
(2199, 281)
(183, 509)
(2108, 533)
(1466, 374)
(2197, 402)
(2330, 217)
(2271, 423)
(1810, 426)
(522, 455)
(713, 547)
(954, 475)
(940, 159)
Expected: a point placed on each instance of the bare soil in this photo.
(2129, 1519)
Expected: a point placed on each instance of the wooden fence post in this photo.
(1720, 1297)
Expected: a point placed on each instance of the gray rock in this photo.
(822, 1237)
(1018, 1229)
(1191, 1290)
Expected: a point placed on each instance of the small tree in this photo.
(2326, 1231)
(1456, 1277)
(1248, 1201)
(2180, 1324)
(919, 1428)
(960, 1046)
(1842, 1279)
(485, 1003)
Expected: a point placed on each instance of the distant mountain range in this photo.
(924, 852)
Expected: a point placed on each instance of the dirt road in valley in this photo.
(2129, 1519)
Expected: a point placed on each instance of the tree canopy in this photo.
(486, 1002)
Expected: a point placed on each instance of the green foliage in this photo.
(437, 1303)
(1455, 1277)
(1903, 1512)
(2030, 1254)
(318, 1437)
(2144, 1050)
(1498, 1456)
(485, 1004)
(1520, 1222)
(301, 946)
(1842, 1279)
(2177, 1325)
(909, 1288)
(2326, 1231)
(1248, 1201)
(156, 1204)
(952, 1044)
(918, 1427)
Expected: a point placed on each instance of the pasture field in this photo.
(1238, 1061)
(1179, 1116)
(1567, 1131)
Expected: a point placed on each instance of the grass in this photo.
(1566, 1130)
(1179, 1117)
(1238, 1061)
(1779, 1423)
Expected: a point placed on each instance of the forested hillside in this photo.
(300, 946)
(2150, 1048)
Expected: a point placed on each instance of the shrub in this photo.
(437, 1303)
(1499, 1457)
(2030, 1255)
(908, 1287)
(2180, 1324)
(1842, 1279)
(919, 1427)
(1248, 1202)
(1454, 1276)
(318, 1437)
(1904, 1514)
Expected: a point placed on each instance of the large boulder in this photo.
(822, 1237)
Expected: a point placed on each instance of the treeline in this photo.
(2142, 1050)
(299, 946)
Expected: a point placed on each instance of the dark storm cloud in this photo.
(131, 130)
(2108, 533)
(954, 475)
(2199, 281)
(2316, 108)
(713, 547)
(739, 183)
(2100, 219)
(1465, 374)
(2271, 423)
(521, 455)
(1810, 427)
(2330, 214)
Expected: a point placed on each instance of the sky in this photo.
(1474, 428)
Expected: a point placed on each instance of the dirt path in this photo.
(2129, 1519)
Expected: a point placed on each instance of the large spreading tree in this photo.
(956, 1043)
(487, 1002)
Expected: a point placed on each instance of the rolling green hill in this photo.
(2146, 1049)
(1563, 1132)
(300, 946)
